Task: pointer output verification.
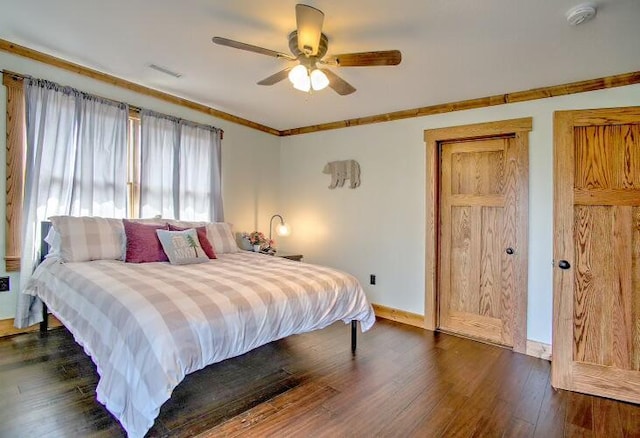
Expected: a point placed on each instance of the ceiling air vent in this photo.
(165, 71)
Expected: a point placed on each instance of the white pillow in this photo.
(89, 238)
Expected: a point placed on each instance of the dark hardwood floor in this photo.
(403, 381)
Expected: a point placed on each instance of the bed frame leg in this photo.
(354, 336)
(44, 325)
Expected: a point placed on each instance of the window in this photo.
(184, 180)
(179, 169)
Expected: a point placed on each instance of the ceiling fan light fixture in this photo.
(303, 84)
(308, 46)
(298, 74)
(319, 80)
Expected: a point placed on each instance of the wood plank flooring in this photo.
(403, 381)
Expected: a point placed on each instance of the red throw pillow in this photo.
(143, 244)
(202, 237)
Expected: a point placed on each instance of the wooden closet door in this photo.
(480, 252)
(596, 339)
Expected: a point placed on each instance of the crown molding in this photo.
(619, 80)
(15, 49)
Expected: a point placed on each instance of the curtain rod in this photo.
(132, 108)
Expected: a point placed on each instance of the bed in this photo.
(147, 325)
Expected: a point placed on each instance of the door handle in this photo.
(563, 264)
(509, 251)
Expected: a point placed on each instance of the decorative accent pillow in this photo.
(202, 237)
(182, 247)
(221, 237)
(143, 244)
(88, 238)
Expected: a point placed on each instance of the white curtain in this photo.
(180, 169)
(159, 140)
(200, 192)
(75, 163)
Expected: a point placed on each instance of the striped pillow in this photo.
(221, 237)
(89, 238)
(185, 224)
(220, 234)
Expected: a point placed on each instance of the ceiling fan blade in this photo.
(275, 78)
(365, 59)
(309, 22)
(250, 48)
(338, 84)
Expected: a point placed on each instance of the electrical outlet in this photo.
(372, 279)
(5, 286)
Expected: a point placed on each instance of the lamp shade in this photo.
(298, 73)
(283, 229)
(319, 80)
(303, 84)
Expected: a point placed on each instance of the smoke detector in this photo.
(581, 13)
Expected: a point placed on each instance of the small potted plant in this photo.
(257, 240)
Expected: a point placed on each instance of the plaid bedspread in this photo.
(147, 325)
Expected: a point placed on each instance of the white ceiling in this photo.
(452, 49)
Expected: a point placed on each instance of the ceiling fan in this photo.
(308, 46)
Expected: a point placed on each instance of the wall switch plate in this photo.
(372, 279)
(5, 285)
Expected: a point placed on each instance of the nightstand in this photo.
(294, 257)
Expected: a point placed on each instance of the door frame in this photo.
(520, 129)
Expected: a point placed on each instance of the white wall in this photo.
(250, 158)
(379, 228)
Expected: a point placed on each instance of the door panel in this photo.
(475, 172)
(596, 346)
(478, 212)
(460, 250)
(492, 259)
